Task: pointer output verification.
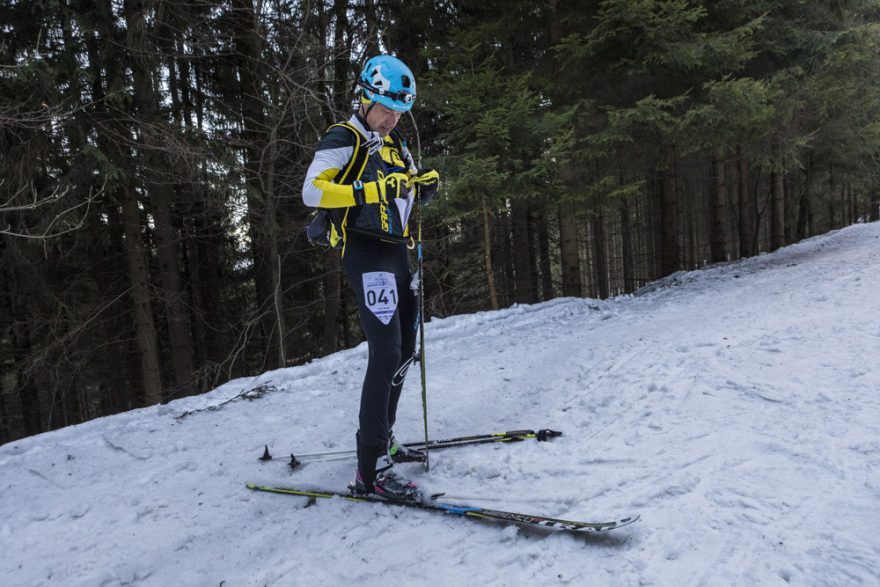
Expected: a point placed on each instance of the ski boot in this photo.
(387, 484)
(400, 453)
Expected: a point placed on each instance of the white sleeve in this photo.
(324, 161)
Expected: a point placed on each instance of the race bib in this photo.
(380, 294)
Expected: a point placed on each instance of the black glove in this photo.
(427, 181)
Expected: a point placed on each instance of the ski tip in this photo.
(627, 521)
(602, 527)
(266, 456)
(294, 462)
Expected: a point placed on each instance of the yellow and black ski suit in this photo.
(356, 176)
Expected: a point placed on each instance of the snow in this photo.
(735, 408)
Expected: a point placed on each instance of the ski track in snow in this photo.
(735, 408)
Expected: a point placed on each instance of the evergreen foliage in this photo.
(152, 156)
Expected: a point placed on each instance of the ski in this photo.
(468, 511)
(437, 444)
(444, 443)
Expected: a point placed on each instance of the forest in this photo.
(152, 155)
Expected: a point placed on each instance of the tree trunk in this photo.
(332, 302)
(572, 285)
(6, 431)
(270, 227)
(627, 245)
(192, 263)
(689, 240)
(260, 214)
(77, 127)
(28, 394)
(118, 391)
(179, 329)
(521, 251)
(777, 207)
(110, 366)
(718, 238)
(647, 250)
(503, 252)
(744, 208)
(140, 296)
(158, 169)
(113, 137)
(348, 307)
(371, 41)
(487, 256)
(670, 251)
(853, 204)
(544, 255)
(341, 55)
(332, 279)
(804, 202)
(600, 254)
(534, 255)
(207, 239)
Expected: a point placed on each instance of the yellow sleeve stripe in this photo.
(333, 195)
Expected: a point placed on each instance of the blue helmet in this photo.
(386, 80)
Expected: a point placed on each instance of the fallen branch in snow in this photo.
(250, 394)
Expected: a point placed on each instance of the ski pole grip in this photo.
(547, 434)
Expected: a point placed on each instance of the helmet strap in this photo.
(366, 113)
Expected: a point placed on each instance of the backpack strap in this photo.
(359, 156)
(402, 148)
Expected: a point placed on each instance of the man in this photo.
(364, 175)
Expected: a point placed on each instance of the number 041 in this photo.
(381, 297)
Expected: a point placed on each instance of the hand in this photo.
(394, 185)
(427, 181)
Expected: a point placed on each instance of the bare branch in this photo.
(56, 195)
(38, 202)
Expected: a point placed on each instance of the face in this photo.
(382, 119)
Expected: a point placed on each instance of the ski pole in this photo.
(421, 323)
(436, 444)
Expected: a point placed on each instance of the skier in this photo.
(365, 179)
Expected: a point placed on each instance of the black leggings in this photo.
(380, 276)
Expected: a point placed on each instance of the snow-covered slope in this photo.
(737, 409)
